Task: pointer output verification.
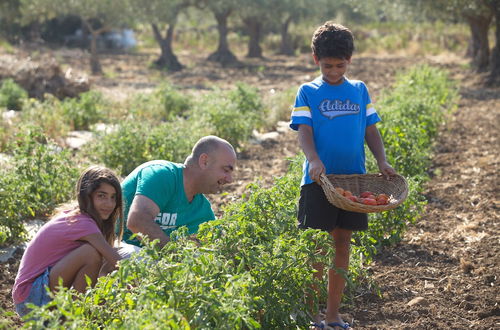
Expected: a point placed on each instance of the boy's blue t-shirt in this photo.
(162, 182)
(339, 115)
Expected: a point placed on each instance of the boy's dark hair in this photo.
(332, 40)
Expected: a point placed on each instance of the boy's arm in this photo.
(374, 142)
(306, 141)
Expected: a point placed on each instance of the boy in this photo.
(334, 116)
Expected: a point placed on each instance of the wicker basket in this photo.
(396, 188)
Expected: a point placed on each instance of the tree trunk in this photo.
(35, 32)
(479, 46)
(167, 59)
(95, 64)
(494, 78)
(223, 55)
(254, 29)
(286, 47)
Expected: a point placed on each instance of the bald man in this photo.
(161, 196)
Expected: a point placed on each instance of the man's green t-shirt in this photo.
(162, 182)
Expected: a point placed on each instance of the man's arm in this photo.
(374, 142)
(306, 141)
(141, 217)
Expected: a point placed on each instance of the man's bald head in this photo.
(207, 145)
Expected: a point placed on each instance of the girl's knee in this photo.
(92, 256)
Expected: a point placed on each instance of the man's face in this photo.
(332, 69)
(219, 170)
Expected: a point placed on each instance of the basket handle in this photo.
(324, 180)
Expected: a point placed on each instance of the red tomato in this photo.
(383, 196)
(347, 193)
(366, 194)
(368, 201)
(353, 198)
(382, 199)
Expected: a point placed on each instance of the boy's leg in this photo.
(84, 260)
(315, 211)
(336, 280)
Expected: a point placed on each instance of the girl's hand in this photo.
(386, 170)
(316, 167)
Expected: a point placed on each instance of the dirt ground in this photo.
(443, 275)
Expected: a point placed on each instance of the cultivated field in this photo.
(443, 274)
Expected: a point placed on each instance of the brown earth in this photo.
(443, 275)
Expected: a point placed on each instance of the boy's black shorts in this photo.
(315, 211)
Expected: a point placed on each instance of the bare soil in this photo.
(444, 274)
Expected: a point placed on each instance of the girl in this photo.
(73, 243)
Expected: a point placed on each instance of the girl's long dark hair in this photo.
(88, 182)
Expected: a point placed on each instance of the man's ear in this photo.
(203, 161)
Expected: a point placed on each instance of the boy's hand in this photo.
(316, 167)
(386, 169)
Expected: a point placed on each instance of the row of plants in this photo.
(253, 267)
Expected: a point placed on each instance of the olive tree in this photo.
(163, 15)
(495, 55)
(288, 12)
(9, 19)
(222, 9)
(255, 14)
(96, 15)
(476, 13)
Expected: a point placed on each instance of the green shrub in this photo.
(6, 132)
(42, 177)
(233, 115)
(279, 105)
(12, 95)
(56, 118)
(81, 112)
(123, 149)
(174, 140)
(165, 103)
(411, 112)
(132, 143)
(47, 115)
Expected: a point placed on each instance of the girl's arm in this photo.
(103, 247)
(306, 141)
(374, 142)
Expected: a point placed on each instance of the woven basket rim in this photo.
(340, 201)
